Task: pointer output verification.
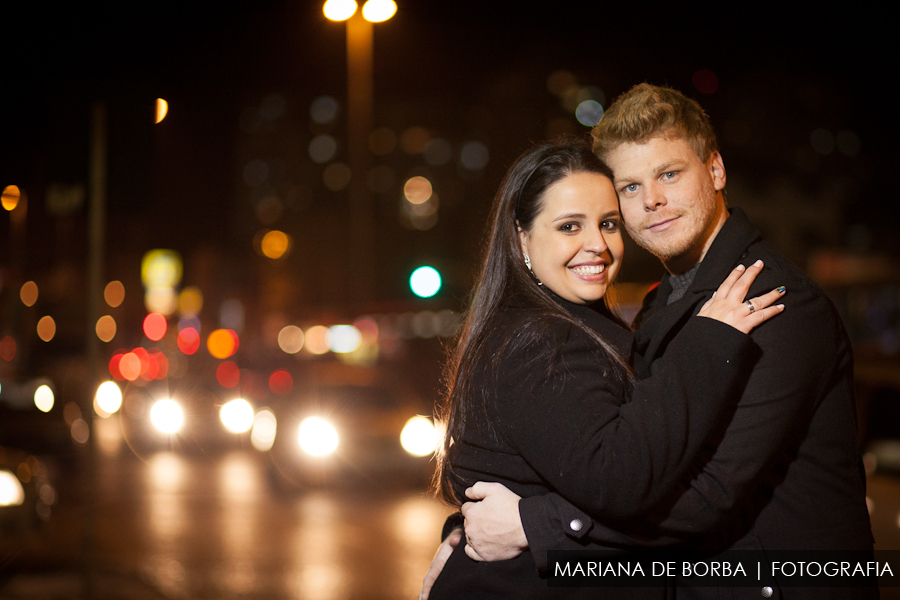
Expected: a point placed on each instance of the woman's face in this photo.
(575, 242)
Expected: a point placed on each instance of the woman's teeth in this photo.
(589, 269)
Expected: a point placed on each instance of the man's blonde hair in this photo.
(646, 111)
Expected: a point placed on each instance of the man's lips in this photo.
(662, 225)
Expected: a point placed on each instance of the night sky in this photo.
(464, 71)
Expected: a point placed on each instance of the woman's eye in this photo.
(609, 225)
(568, 227)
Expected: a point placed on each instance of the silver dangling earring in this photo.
(528, 264)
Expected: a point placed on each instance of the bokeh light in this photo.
(130, 366)
(46, 328)
(29, 293)
(425, 282)
(10, 197)
(378, 11)
(11, 491)
(317, 339)
(275, 244)
(417, 190)
(589, 113)
(222, 343)
(822, 141)
(474, 156)
(323, 110)
(167, 416)
(339, 10)
(281, 382)
(382, 141)
(228, 374)
(317, 436)
(437, 152)
(188, 340)
(290, 339)
(342, 339)
(190, 301)
(44, 398)
(161, 268)
(264, 427)
(237, 415)
(336, 177)
(155, 326)
(162, 109)
(114, 293)
(419, 436)
(108, 398)
(105, 328)
(322, 148)
(414, 140)
(8, 348)
(705, 81)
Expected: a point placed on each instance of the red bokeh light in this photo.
(114, 367)
(228, 374)
(281, 382)
(188, 340)
(8, 348)
(155, 326)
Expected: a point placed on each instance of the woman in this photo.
(540, 393)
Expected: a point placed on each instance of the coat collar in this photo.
(659, 320)
(724, 254)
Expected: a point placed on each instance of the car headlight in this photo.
(237, 415)
(167, 416)
(317, 436)
(419, 436)
(11, 492)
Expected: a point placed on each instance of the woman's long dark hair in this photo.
(503, 274)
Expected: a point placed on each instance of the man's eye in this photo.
(631, 187)
(669, 175)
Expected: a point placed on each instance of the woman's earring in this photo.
(528, 264)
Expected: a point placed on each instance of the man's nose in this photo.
(654, 197)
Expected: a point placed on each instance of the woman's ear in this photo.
(523, 239)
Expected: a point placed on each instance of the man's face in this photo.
(669, 198)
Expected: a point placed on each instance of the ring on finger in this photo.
(750, 306)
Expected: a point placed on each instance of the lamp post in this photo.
(360, 115)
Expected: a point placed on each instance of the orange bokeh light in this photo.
(222, 343)
(130, 366)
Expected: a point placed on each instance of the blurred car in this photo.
(26, 494)
(352, 433)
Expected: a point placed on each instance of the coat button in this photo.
(576, 525)
(766, 592)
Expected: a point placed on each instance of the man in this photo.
(783, 472)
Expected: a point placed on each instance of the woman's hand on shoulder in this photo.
(728, 305)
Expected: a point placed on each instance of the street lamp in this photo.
(359, 123)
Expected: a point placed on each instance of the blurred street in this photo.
(212, 527)
(201, 527)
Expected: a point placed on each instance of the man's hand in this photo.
(493, 526)
(440, 559)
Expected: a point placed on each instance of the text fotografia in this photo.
(730, 569)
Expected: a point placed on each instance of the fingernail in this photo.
(780, 289)
(758, 263)
(740, 267)
(779, 306)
